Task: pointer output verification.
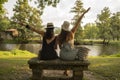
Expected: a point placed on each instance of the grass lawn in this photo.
(13, 66)
(14, 69)
(107, 67)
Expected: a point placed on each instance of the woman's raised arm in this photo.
(35, 30)
(78, 21)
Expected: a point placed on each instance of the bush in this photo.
(115, 55)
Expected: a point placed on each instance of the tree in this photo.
(4, 21)
(24, 13)
(4, 24)
(115, 25)
(103, 23)
(43, 3)
(91, 31)
(78, 10)
(57, 30)
(2, 10)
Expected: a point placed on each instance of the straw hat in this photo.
(65, 25)
(50, 25)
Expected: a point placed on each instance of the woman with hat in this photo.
(66, 40)
(48, 50)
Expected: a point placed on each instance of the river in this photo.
(95, 50)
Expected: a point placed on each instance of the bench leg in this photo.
(78, 75)
(36, 74)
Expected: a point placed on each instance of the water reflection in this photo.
(95, 50)
(108, 50)
(7, 47)
(34, 48)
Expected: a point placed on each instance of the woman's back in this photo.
(67, 52)
(48, 52)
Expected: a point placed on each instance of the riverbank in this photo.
(94, 42)
(82, 42)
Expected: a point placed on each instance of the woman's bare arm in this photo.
(78, 21)
(33, 29)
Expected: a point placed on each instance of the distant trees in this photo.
(106, 27)
(103, 23)
(115, 26)
(78, 10)
(57, 30)
(91, 31)
(109, 25)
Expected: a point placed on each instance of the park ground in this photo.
(14, 66)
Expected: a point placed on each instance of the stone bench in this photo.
(38, 66)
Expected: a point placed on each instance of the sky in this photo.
(62, 12)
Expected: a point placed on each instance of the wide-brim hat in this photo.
(65, 25)
(50, 25)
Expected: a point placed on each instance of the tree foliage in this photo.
(4, 24)
(41, 4)
(4, 21)
(2, 10)
(26, 14)
(91, 31)
(44, 3)
(103, 23)
(115, 25)
(78, 10)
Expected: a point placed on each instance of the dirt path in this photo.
(87, 75)
(26, 75)
(91, 76)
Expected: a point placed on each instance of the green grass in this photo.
(14, 66)
(16, 53)
(14, 69)
(107, 67)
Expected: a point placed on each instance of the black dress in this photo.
(48, 51)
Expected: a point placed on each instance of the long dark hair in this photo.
(49, 33)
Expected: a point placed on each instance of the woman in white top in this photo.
(66, 39)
